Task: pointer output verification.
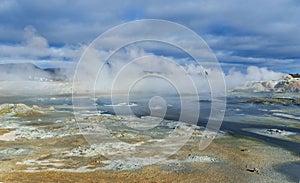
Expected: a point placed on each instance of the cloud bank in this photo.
(261, 33)
(34, 48)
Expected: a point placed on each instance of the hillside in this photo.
(29, 71)
(287, 83)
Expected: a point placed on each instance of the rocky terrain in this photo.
(273, 100)
(287, 83)
(59, 153)
(16, 110)
(43, 141)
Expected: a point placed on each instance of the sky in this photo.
(242, 34)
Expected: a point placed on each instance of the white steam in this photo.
(135, 69)
(235, 78)
(33, 40)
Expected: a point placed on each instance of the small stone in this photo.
(253, 170)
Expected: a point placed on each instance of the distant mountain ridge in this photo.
(29, 71)
(287, 83)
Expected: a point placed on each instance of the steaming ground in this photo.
(40, 139)
(44, 141)
(31, 88)
(29, 79)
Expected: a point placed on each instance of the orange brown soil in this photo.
(236, 155)
(4, 131)
(146, 175)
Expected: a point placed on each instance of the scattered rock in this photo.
(277, 132)
(274, 131)
(13, 152)
(199, 158)
(35, 133)
(83, 151)
(253, 170)
(284, 101)
(177, 167)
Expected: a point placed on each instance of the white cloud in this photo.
(244, 33)
(34, 48)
